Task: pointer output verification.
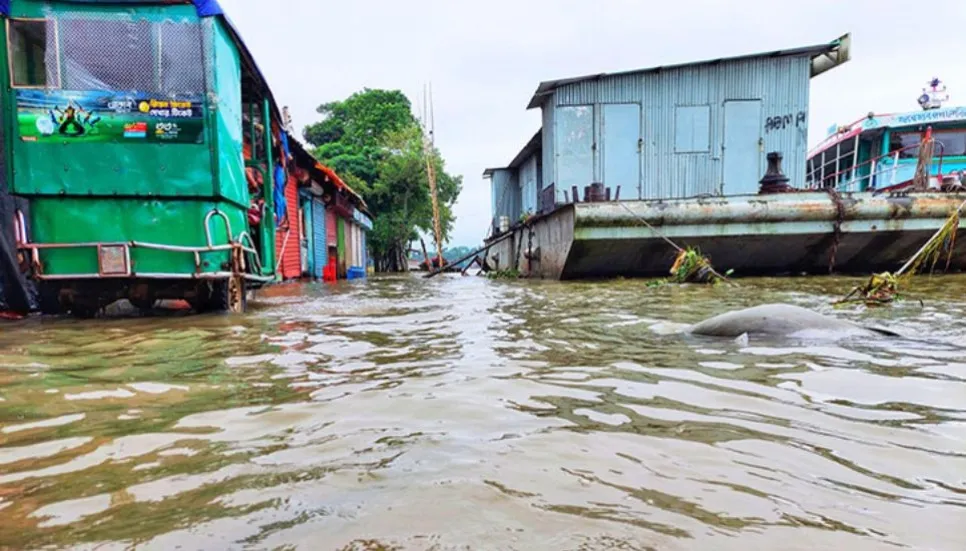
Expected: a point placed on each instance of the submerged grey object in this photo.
(781, 320)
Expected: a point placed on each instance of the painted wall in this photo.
(702, 129)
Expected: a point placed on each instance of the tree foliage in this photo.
(374, 142)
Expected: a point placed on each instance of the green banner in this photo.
(72, 116)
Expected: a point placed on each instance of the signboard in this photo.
(932, 116)
(362, 219)
(108, 117)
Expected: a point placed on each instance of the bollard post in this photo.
(774, 180)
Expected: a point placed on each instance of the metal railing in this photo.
(851, 178)
(239, 250)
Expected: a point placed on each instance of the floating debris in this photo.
(884, 288)
(690, 266)
(880, 289)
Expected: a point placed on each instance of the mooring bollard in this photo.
(774, 180)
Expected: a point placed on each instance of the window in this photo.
(953, 143)
(108, 54)
(33, 57)
(182, 63)
(692, 129)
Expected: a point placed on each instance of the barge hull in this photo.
(784, 234)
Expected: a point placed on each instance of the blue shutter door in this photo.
(319, 240)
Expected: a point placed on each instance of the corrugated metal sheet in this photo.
(695, 166)
(349, 245)
(549, 175)
(782, 86)
(356, 245)
(340, 249)
(617, 89)
(319, 237)
(576, 154)
(287, 241)
(505, 195)
(620, 148)
(528, 185)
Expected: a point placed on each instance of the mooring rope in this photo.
(672, 243)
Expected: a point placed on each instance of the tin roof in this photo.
(824, 57)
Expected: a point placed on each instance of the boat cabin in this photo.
(882, 151)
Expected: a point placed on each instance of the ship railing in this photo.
(884, 168)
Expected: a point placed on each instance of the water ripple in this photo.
(462, 413)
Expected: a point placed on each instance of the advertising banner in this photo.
(113, 117)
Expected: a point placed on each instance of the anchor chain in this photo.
(837, 227)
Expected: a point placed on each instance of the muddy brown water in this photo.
(462, 413)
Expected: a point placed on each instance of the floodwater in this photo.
(464, 413)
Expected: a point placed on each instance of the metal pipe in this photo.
(855, 160)
(156, 275)
(181, 249)
(71, 245)
(895, 168)
(799, 207)
(823, 170)
(20, 227)
(224, 217)
(838, 163)
(268, 189)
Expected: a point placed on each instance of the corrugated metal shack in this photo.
(674, 131)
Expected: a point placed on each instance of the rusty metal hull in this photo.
(782, 234)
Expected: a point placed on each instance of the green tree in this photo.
(374, 142)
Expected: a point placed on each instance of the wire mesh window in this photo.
(131, 55)
(106, 54)
(32, 50)
(182, 63)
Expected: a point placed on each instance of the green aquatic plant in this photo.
(690, 266)
(503, 274)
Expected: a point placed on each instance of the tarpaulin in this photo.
(278, 193)
(281, 206)
(205, 8)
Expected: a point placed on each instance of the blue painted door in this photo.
(575, 148)
(319, 241)
(742, 154)
(620, 143)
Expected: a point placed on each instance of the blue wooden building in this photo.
(677, 131)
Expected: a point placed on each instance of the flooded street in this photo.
(463, 413)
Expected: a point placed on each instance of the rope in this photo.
(671, 243)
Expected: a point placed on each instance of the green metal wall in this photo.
(227, 117)
(340, 243)
(104, 168)
(171, 222)
(156, 193)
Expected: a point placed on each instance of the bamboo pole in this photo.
(428, 147)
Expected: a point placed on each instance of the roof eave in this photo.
(824, 57)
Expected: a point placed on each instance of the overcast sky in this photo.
(486, 59)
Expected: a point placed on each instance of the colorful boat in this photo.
(881, 151)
